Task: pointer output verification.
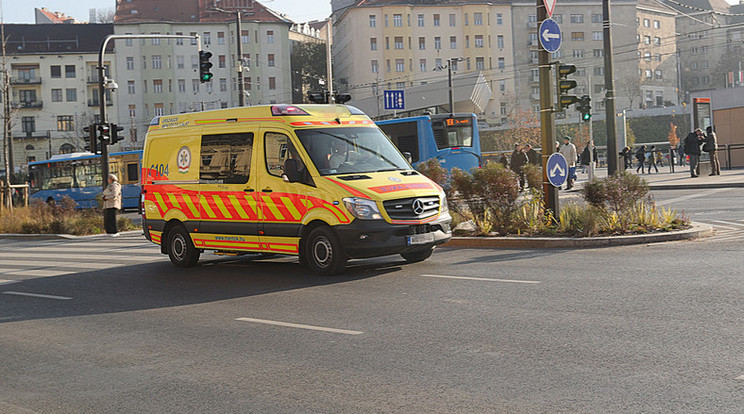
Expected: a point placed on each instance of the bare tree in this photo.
(105, 15)
(630, 88)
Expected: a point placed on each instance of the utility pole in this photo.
(547, 119)
(239, 58)
(329, 65)
(612, 154)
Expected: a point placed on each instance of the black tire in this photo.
(323, 253)
(420, 255)
(181, 250)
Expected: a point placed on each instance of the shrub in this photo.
(616, 193)
(533, 175)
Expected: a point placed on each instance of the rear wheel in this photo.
(418, 255)
(181, 250)
(323, 252)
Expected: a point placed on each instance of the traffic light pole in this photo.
(547, 120)
(612, 153)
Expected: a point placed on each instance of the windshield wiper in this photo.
(389, 169)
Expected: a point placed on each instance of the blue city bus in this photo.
(453, 139)
(78, 176)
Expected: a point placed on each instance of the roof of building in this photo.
(44, 15)
(696, 6)
(56, 38)
(193, 11)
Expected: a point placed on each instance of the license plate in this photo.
(421, 238)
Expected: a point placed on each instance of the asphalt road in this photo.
(105, 325)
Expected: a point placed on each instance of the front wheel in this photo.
(181, 250)
(418, 255)
(323, 252)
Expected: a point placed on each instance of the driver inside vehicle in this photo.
(338, 154)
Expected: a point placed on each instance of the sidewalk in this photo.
(678, 180)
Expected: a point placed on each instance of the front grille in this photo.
(403, 209)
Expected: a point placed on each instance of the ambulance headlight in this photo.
(445, 206)
(362, 208)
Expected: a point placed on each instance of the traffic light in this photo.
(105, 134)
(92, 138)
(342, 98)
(317, 97)
(204, 65)
(585, 107)
(115, 129)
(564, 85)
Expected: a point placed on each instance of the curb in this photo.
(695, 186)
(697, 231)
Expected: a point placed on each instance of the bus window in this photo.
(405, 136)
(453, 132)
(132, 173)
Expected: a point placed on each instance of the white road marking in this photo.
(740, 378)
(728, 222)
(37, 295)
(67, 265)
(7, 282)
(300, 326)
(691, 196)
(531, 282)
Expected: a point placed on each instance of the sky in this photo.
(15, 11)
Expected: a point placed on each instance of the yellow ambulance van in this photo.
(318, 181)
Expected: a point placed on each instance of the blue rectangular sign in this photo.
(394, 100)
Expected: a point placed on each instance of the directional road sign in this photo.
(549, 6)
(550, 35)
(557, 169)
(394, 100)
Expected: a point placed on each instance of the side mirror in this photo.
(408, 157)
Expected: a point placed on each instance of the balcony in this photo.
(15, 80)
(93, 79)
(27, 105)
(96, 103)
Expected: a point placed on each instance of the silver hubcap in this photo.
(178, 246)
(322, 252)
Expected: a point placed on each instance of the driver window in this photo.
(280, 153)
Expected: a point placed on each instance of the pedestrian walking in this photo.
(692, 149)
(111, 203)
(531, 154)
(568, 150)
(641, 158)
(517, 163)
(651, 159)
(627, 155)
(711, 146)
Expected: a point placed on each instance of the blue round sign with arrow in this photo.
(550, 35)
(557, 169)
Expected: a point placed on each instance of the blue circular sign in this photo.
(550, 35)
(557, 169)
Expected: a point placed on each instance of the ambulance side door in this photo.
(283, 203)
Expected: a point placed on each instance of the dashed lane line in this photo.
(300, 326)
(36, 295)
(483, 279)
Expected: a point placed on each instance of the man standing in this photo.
(531, 155)
(711, 142)
(692, 149)
(568, 150)
(517, 162)
(111, 203)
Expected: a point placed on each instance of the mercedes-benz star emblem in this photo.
(417, 206)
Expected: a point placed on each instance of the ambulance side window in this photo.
(226, 158)
(282, 159)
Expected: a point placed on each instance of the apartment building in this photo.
(54, 86)
(390, 45)
(160, 76)
(657, 57)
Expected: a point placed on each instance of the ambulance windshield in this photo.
(351, 150)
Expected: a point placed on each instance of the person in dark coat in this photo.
(504, 160)
(532, 157)
(692, 149)
(517, 162)
(711, 142)
(627, 155)
(641, 157)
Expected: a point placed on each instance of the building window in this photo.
(158, 109)
(499, 41)
(422, 65)
(207, 38)
(375, 66)
(577, 36)
(452, 20)
(502, 63)
(647, 56)
(270, 37)
(272, 83)
(220, 38)
(598, 53)
(179, 42)
(397, 20)
(56, 71)
(657, 41)
(649, 74)
(270, 60)
(56, 95)
(420, 20)
(400, 65)
(597, 36)
(222, 61)
(28, 124)
(599, 71)
(130, 87)
(372, 20)
(65, 123)
(223, 84)
(69, 71)
(658, 74)
(478, 19)
(437, 43)
(422, 43)
(646, 23)
(182, 85)
(157, 86)
(578, 53)
(647, 40)
(596, 18)
(577, 18)
(499, 19)
(436, 20)
(480, 63)
(157, 62)
(398, 42)
(132, 111)
(478, 40)
(71, 94)
(373, 43)
(245, 36)
(453, 42)
(657, 24)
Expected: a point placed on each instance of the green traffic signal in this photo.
(586, 116)
(204, 65)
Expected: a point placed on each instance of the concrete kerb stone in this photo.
(696, 231)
